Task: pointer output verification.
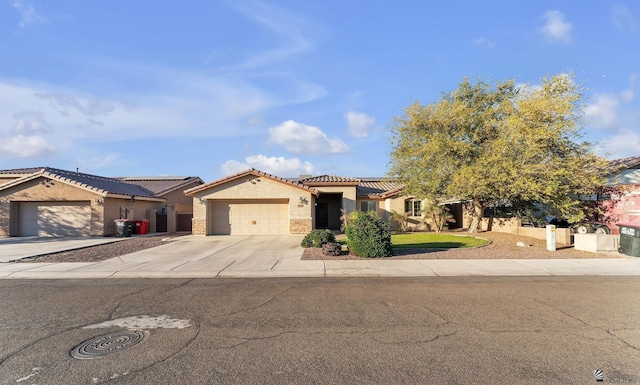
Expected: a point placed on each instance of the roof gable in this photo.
(98, 184)
(251, 171)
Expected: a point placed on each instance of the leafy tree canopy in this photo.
(511, 142)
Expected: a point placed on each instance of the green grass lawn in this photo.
(434, 241)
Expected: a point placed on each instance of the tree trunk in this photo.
(476, 216)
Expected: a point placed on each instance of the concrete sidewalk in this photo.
(247, 256)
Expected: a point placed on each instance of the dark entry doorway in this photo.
(322, 215)
(328, 207)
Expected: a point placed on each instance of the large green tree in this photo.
(514, 143)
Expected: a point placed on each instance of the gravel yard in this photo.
(106, 251)
(503, 246)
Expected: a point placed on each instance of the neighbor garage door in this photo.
(54, 219)
(254, 217)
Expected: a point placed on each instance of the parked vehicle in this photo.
(591, 227)
(581, 227)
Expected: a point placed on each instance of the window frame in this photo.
(369, 204)
(411, 204)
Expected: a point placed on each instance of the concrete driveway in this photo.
(15, 248)
(215, 256)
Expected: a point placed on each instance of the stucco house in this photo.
(45, 201)
(255, 202)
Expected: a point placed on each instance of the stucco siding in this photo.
(178, 197)
(47, 191)
(137, 211)
(251, 187)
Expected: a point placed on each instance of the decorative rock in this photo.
(331, 248)
(522, 244)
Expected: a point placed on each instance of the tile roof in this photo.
(251, 171)
(21, 171)
(99, 184)
(328, 178)
(377, 188)
(623, 164)
(161, 185)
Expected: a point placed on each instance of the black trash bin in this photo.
(629, 239)
(123, 228)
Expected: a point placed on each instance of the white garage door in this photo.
(249, 217)
(54, 219)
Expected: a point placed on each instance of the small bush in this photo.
(369, 236)
(332, 248)
(317, 238)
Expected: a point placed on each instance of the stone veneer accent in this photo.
(198, 227)
(300, 226)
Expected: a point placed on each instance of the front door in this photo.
(322, 215)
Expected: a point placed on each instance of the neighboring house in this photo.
(619, 200)
(255, 202)
(179, 207)
(45, 201)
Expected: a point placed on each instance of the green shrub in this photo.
(369, 236)
(317, 238)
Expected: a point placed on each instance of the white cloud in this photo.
(556, 28)
(279, 166)
(288, 28)
(302, 139)
(359, 125)
(623, 144)
(21, 146)
(28, 14)
(64, 103)
(482, 41)
(30, 122)
(623, 19)
(181, 104)
(603, 113)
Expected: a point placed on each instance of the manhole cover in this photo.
(106, 344)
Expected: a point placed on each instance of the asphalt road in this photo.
(535, 330)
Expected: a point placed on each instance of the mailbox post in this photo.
(551, 237)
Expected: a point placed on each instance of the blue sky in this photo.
(210, 88)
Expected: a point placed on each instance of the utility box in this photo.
(629, 239)
(596, 242)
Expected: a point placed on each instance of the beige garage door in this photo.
(54, 219)
(249, 217)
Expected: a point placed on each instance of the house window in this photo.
(367, 206)
(413, 207)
